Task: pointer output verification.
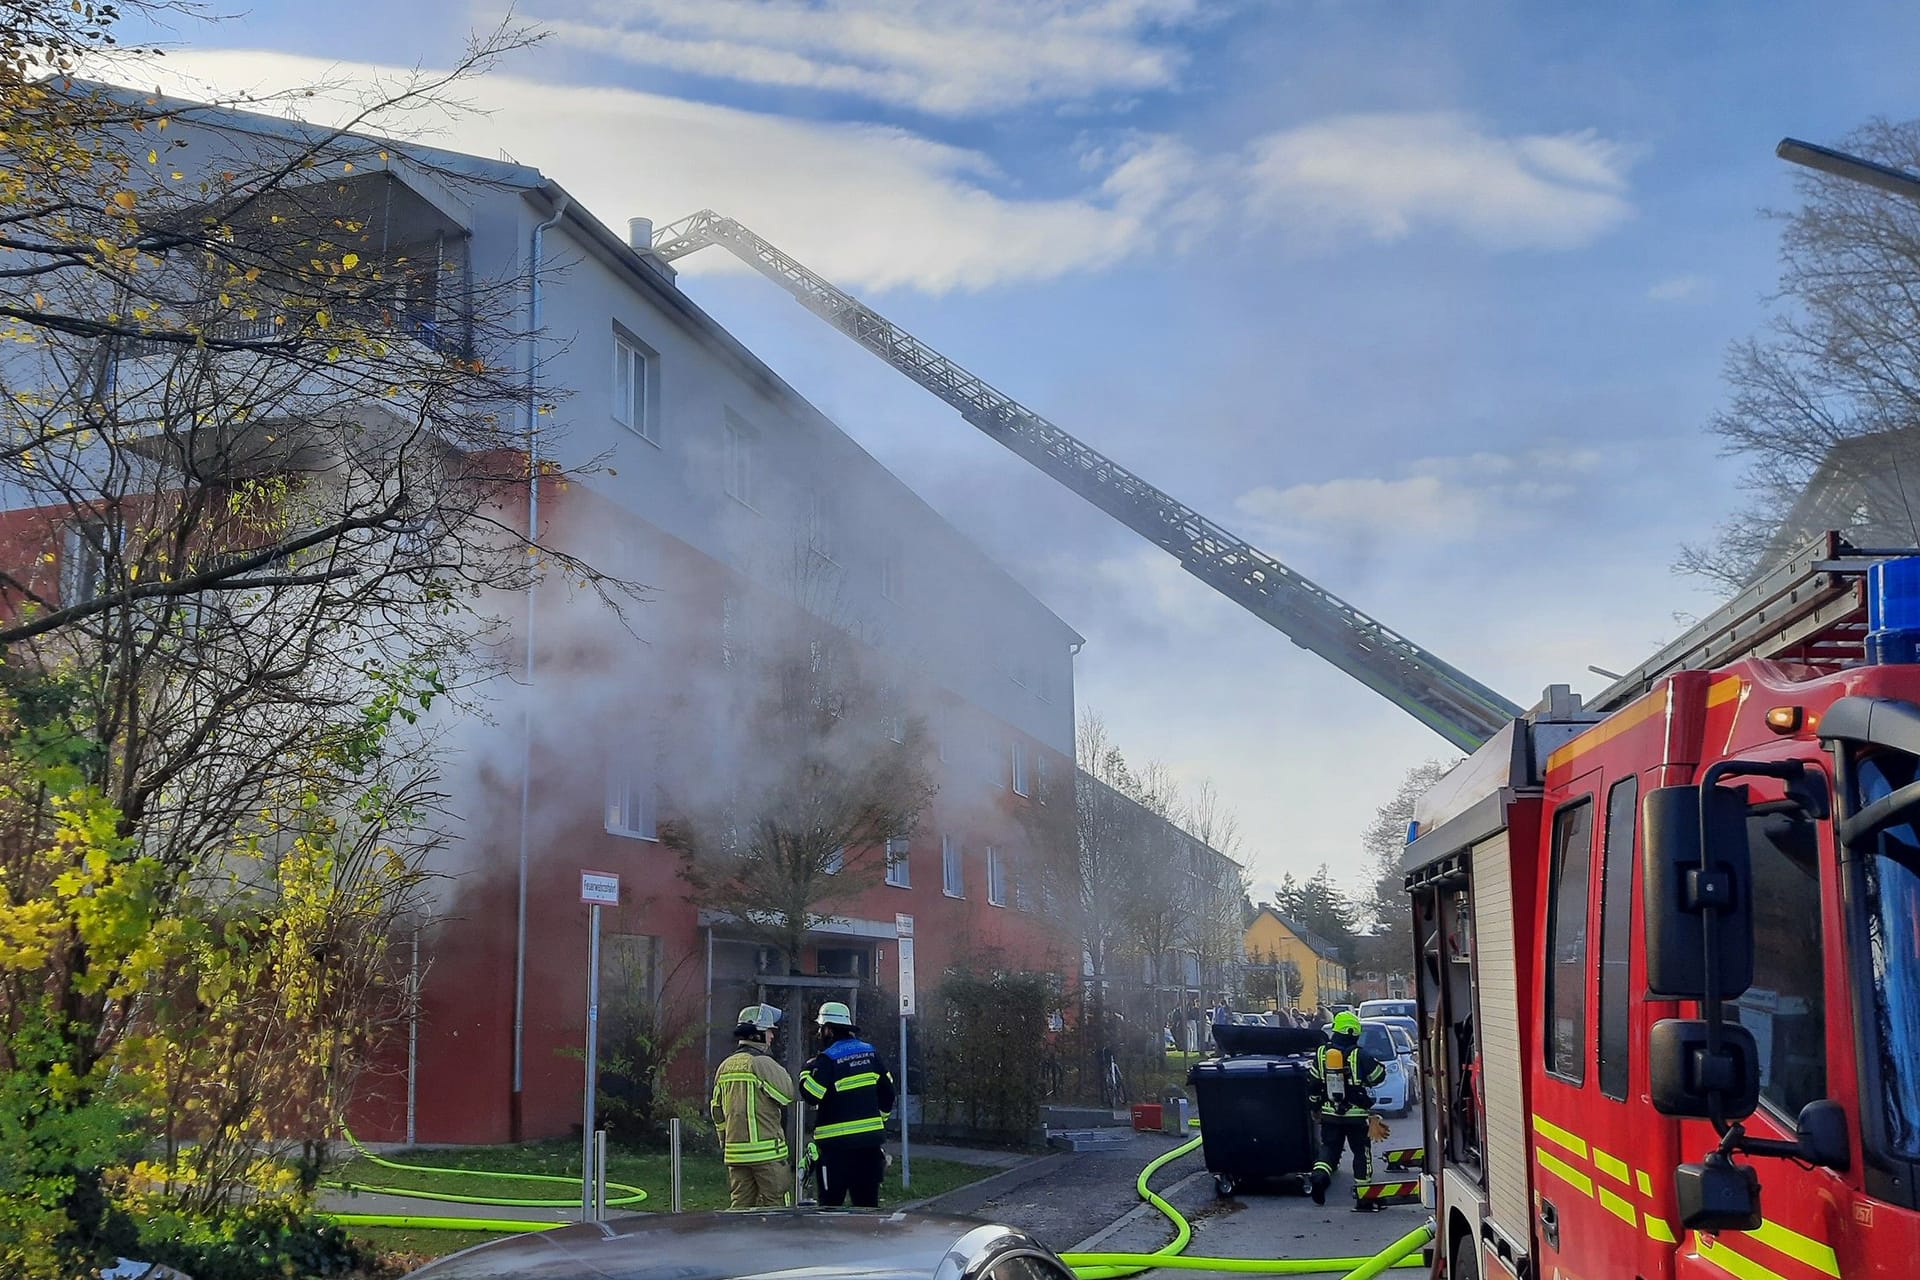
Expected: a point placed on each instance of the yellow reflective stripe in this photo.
(1560, 1137)
(1615, 1169)
(1658, 1229)
(848, 1127)
(1619, 1208)
(748, 1078)
(1646, 1183)
(776, 1095)
(1573, 1177)
(811, 1085)
(1734, 1264)
(1815, 1253)
(865, 1080)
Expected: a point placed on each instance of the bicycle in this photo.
(1113, 1082)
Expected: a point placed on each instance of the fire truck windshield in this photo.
(1892, 923)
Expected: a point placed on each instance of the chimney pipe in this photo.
(640, 234)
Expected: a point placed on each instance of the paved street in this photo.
(1087, 1203)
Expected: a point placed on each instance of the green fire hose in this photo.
(1087, 1266)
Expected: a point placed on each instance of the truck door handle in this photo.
(1550, 1224)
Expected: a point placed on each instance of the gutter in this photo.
(526, 706)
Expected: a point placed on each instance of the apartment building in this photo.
(702, 474)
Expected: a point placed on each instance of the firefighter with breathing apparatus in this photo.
(852, 1092)
(1341, 1076)
(749, 1091)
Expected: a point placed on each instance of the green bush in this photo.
(257, 1242)
(982, 1034)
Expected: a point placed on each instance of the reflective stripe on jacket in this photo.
(849, 1083)
(748, 1092)
(1360, 1072)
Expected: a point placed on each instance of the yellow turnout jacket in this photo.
(748, 1092)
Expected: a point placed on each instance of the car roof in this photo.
(795, 1243)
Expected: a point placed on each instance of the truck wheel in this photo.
(1465, 1263)
(1222, 1185)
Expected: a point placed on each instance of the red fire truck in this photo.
(1668, 954)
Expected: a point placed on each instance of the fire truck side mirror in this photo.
(1683, 1076)
(1823, 1135)
(1717, 1195)
(1678, 891)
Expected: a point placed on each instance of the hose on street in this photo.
(1172, 1255)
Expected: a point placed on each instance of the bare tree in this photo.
(1840, 360)
(825, 767)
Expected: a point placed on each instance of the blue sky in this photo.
(1430, 302)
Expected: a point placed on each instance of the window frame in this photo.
(740, 442)
(638, 411)
(1581, 1049)
(996, 877)
(1022, 777)
(1615, 997)
(898, 861)
(953, 868)
(618, 804)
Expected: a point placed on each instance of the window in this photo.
(1040, 787)
(1786, 1007)
(630, 965)
(899, 869)
(996, 758)
(633, 395)
(1565, 1041)
(1023, 889)
(631, 800)
(739, 460)
(835, 862)
(821, 524)
(996, 878)
(1020, 780)
(953, 881)
(1616, 916)
(890, 575)
(83, 561)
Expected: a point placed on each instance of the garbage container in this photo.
(1174, 1112)
(1255, 1125)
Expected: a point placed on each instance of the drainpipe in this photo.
(526, 706)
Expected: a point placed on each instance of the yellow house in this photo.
(1274, 941)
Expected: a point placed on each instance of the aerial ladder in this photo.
(1445, 699)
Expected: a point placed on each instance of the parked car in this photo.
(1409, 1062)
(1408, 1025)
(825, 1243)
(1394, 1096)
(1388, 1009)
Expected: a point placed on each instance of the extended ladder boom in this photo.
(1459, 708)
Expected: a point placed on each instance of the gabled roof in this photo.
(1313, 941)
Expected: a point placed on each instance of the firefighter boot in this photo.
(1317, 1184)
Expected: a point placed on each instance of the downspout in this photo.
(514, 1118)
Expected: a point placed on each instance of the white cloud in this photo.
(1678, 289)
(875, 207)
(1386, 174)
(1438, 501)
(946, 57)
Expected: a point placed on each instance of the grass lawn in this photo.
(703, 1185)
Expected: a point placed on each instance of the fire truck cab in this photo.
(1667, 955)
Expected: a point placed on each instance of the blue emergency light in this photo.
(1893, 610)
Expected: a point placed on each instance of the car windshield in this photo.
(1402, 1042)
(1892, 919)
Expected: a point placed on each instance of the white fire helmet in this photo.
(835, 1014)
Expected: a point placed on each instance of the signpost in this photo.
(597, 889)
(903, 932)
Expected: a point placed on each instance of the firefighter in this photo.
(1341, 1076)
(749, 1091)
(852, 1092)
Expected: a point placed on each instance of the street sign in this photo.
(903, 930)
(902, 925)
(599, 889)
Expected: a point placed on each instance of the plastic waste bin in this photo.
(1255, 1125)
